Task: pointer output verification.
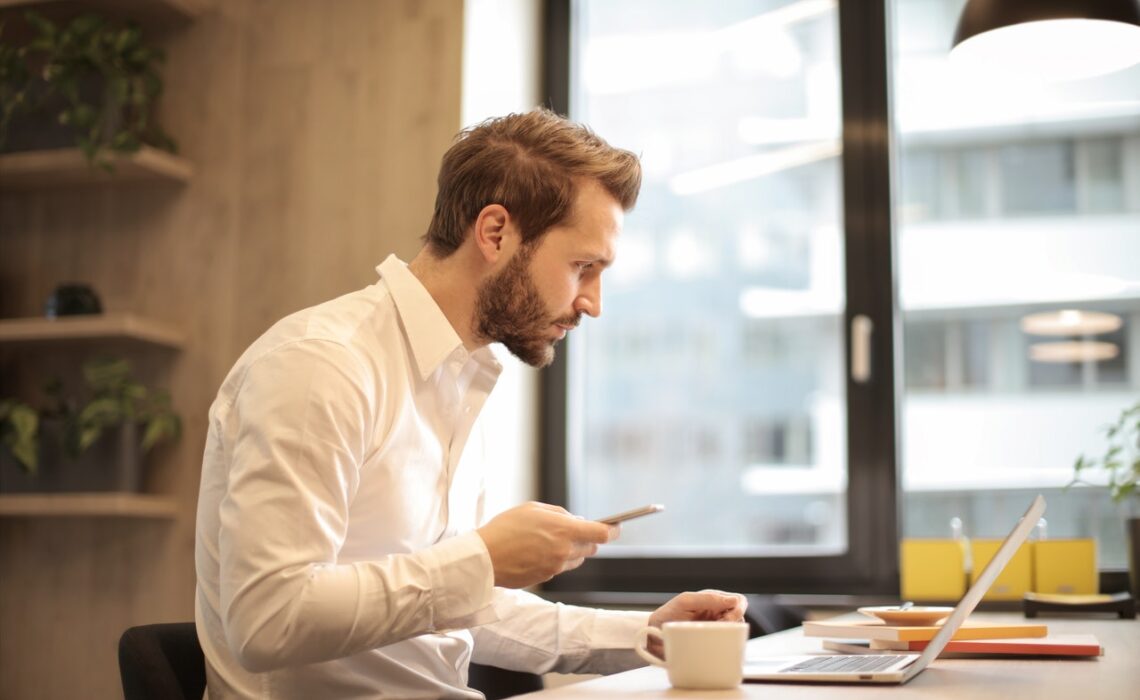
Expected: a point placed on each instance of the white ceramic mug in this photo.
(698, 655)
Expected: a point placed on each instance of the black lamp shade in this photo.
(980, 16)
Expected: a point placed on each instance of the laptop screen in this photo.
(970, 601)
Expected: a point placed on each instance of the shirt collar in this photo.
(430, 335)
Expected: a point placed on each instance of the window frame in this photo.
(870, 565)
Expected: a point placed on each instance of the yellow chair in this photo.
(932, 569)
(1065, 566)
(1015, 580)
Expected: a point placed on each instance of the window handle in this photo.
(861, 329)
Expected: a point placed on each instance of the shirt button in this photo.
(467, 409)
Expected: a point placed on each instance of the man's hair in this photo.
(530, 163)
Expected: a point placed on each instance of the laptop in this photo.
(893, 668)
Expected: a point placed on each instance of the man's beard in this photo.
(510, 310)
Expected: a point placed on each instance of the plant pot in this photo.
(40, 129)
(113, 463)
(1134, 557)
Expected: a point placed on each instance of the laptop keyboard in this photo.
(844, 664)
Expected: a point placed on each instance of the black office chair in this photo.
(766, 616)
(162, 661)
(165, 661)
(497, 683)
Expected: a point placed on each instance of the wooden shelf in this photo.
(68, 167)
(123, 505)
(90, 327)
(158, 14)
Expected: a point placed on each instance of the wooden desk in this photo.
(1114, 676)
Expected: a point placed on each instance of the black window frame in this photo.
(870, 565)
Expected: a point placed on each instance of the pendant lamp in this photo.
(1048, 39)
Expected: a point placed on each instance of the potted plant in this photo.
(91, 440)
(89, 82)
(19, 423)
(1119, 469)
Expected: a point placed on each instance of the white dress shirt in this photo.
(335, 546)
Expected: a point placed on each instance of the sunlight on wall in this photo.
(501, 75)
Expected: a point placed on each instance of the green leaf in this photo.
(122, 141)
(142, 56)
(24, 421)
(86, 25)
(1120, 464)
(134, 390)
(106, 373)
(83, 116)
(127, 37)
(102, 412)
(159, 429)
(41, 24)
(26, 454)
(128, 143)
(19, 427)
(88, 436)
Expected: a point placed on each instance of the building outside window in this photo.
(1017, 200)
(716, 380)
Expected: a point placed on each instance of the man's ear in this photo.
(493, 232)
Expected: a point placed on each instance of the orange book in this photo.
(1075, 645)
(875, 629)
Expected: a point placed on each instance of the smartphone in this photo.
(630, 514)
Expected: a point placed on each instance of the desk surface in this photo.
(1109, 677)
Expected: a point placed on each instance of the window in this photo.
(716, 382)
(717, 302)
(1019, 213)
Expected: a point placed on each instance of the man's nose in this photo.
(589, 300)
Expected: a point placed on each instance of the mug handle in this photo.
(642, 643)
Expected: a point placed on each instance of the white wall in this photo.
(995, 441)
(501, 59)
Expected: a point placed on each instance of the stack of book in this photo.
(973, 638)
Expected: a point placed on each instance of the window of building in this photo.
(717, 381)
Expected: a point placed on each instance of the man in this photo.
(341, 550)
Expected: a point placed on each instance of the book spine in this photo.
(994, 646)
(908, 634)
(891, 645)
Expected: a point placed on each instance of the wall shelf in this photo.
(159, 14)
(124, 505)
(69, 167)
(123, 326)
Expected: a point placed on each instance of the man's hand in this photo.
(535, 542)
(708, 604)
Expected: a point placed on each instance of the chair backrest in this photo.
(162, 661)
(765, 616)
(496, 683)
(165, 661)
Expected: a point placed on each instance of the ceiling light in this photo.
(1070, 322)
(1048, 39)
(1073, 351)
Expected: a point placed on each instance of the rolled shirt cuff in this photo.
(612, 636)
(616, 629)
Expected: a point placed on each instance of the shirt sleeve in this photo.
(299, 429)
(539, 636)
